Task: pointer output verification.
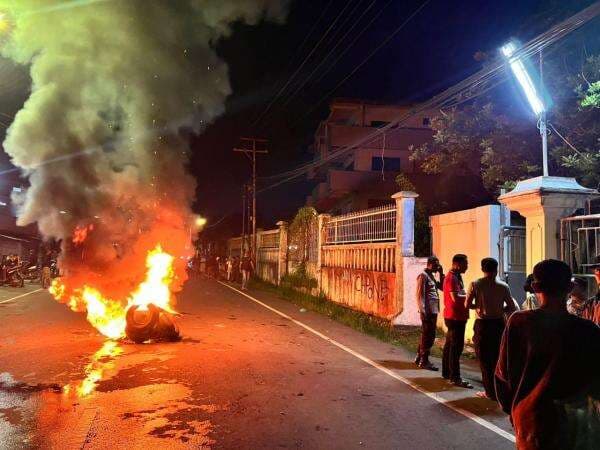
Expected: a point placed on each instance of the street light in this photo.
(534, 98)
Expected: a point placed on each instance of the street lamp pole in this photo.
(534, 98)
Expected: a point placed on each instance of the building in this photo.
(13, 238)
(363, 177)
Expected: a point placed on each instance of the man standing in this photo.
(456, 315)
(246, 266)
(491, 299)
(548, 370)
(428, 303)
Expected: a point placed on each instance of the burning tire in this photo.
(151, 324)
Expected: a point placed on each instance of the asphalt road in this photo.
(246, 375)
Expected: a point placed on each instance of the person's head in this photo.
(579, 290)
(433, 263)
(460, 263)
(552, 283)
(527, 286)
(489, 266)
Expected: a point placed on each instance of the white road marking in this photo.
(484, 423)
(20, 296)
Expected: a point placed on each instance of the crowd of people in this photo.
(230, 268)
(539, 360)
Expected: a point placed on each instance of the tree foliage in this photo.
(302, 230)
(486, 139)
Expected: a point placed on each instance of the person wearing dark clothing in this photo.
(246, 266)
(456, 315)
(548, 372)
(491, 299)
(428, 304)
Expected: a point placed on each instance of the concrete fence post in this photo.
(321, 240)
(405, 240)
(283, 250)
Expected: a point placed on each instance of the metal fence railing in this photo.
(580, 242)
(371, 225)
(269, 239)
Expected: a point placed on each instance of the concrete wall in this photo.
(364, 290)
(411, 267)
(474, 232)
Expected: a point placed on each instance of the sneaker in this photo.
(428, 366)
(462, 383)
(418, 359)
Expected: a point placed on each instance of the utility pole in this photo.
(249, 148)
(243, 243)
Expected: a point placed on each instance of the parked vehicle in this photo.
(14, 277)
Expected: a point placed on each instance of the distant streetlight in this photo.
(532, 94)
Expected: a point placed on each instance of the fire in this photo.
(108, 315)
(81, 232)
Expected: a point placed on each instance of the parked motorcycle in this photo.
(14, 277)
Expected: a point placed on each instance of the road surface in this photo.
(253, 371)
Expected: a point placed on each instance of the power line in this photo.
(284, 87)
(324, 60)
(364, 61)
(467, 89)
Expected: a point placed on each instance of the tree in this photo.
(577, 119)
(302, 230)
(485, 139)
(480, 141)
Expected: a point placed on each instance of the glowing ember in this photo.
(108, 315)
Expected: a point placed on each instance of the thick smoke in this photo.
(112, 83)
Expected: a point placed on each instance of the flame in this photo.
(81, 232)
(108, 315)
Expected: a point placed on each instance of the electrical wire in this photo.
(326, 57)
(359, 66)
(299, 68)
(484, 80)
(565, 140)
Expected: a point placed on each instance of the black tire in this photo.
(141, 331)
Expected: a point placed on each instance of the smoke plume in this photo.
(112, 83)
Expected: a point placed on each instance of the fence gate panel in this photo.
(580, 245)
(513, 260)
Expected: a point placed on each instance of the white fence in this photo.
(361, 260)
(371, 225)
(378, 257)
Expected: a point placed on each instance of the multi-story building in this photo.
(364, 176)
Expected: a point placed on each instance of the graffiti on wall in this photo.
(367, 291)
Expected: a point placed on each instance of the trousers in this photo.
(453, 348)
(487, 338)
(428, 326)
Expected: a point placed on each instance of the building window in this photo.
(379, 123)
(426, 121)
(388, 164)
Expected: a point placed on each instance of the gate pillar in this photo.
(543, 201)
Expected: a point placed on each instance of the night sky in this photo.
(433, 51)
